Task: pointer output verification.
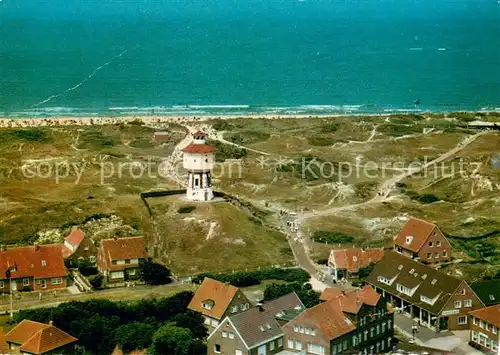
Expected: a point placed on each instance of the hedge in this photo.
(250, 278)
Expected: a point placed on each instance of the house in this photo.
(347, 322)
(488, 291)
(161, 136)
(30, 337)
(33, 268)
(437, 300)
(485, 328)
(345, 263)
(77, 246)
(118, 259)
(256, 330)
(424, 241)
(216, 300)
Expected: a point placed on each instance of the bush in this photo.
(428, 198)
(31, 135)
(186, 209)
(332, 237)
(245, 279)
(226, 151)
(321, 140)
(86, 268)
(155, 274)
(222, 125)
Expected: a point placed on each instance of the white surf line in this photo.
(94, 72)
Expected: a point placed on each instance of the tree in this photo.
(365, 271)
(172, 340)
(306, 294)
(96, 334)
(167, 308)
(155, 274)
(134, 336)
(96, 281)
(193, 321)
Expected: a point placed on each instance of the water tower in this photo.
(198, 160)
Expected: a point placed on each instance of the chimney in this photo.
(115, 238)
(2, 248)
(36, 246)
(259, 305)
(51, 322)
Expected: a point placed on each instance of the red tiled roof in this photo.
(489, 314)
(328, 318)
(118, 351)
(75, 237)
(351, 301)
(199, 148)
(199, 134)
(419, 230)
(122, 249)
(44, 261)
(4, 347)
(355, 258)
(47, 339)
(212, 290)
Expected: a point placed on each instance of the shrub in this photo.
(186, 209)
(332, 237)
(321, 140)
(96, 281)
(222, 125)
(155, 274)
(31, 134)
(244, 278)
(428, 198)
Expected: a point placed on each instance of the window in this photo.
(378, 329)
(445, 253)
(56, 281)
(494, 345)
(383, 327)
(463, 291)
(474, 336)
(224, 334)
(217, 348)
(487, 326)
(409, 239)
(389, 324)
(307, 331)
(388, 343)
(231, 335)
(438, 243)
(494, 330)
(298, 345)
(280, 342)
(366, 335)
(131, 272)
(207, 321)
(92, 258)
(371, 332)
(481, 324)
(315, 349)
(234, 309)
(403, 289)
(468, 303)
(362, 321)
(238, 352)
(378, 347)
(474, 320)
(313, 332)
(290, 344)
(207, 305)
(127, 261)
(354, 340)
(114, 262)
(462, 320)
(215, 322)
(424, 276)
(301, 329)
(400, 267)
(412, 271)
(44, 263)
(271, 346)
(399, 250)
(429, 255)
(296, 328)
(117, 275)
(2, 285)
(430, 244)
(26, 282)
(492, 297)
(86, 248)
(436, 255)
(433, 282)
(458, 304)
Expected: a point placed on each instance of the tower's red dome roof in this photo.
(199, 148)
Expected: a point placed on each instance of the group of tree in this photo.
(164, 326)
(304, 291)
(155, 274)
(251, 278)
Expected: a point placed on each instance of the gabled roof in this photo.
(38, 338)
(328, 318)
(198, 148)
(489, 314)
(122, 249)
(352, 301)
(256, 326)
(75, 237)
(4, 347)
(419, 231)
(41, 261)
(488, 291)
(409, 273)
(219, 293)
(353, 259)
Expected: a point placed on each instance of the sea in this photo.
(231, 57)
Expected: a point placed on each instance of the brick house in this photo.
(424, 241)
(256, 331)
(345, 263)
(347, 322)
(33, 268)
(437, 300)
(118, 259)
(216, 300)
(485, 327)
(30, 337)
(77, 246)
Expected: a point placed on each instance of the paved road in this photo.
(32, 300)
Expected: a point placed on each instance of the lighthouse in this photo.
(198, 160)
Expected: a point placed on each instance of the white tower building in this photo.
(198, 160)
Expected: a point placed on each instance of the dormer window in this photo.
(438, 243)
(431, 244)
(433, 282)
(44, 263)
(208, 304)
(412, 271)
(355, 259)
(400, 267)
(409, 239)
